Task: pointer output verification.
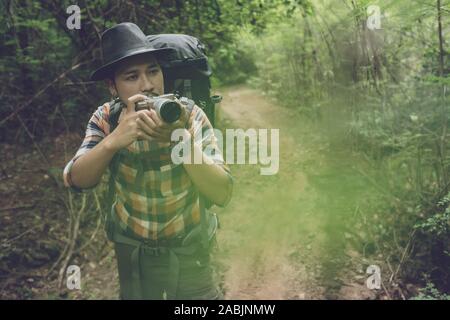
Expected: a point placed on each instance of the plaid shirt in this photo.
(155, 198)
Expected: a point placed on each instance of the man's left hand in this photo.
(161, 131)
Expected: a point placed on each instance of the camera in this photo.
(166, 106)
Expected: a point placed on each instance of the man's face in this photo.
(141, 74)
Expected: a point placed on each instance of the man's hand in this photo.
(161, 131)
(131, 127)
(145, 125)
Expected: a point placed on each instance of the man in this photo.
(156, 202)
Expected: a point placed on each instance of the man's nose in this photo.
(146, 84)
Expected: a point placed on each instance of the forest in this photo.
(357, 88)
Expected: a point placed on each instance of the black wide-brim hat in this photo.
(122, 41)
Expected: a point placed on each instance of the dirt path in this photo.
(259, 238)
(275, 241)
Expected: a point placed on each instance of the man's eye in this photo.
(154, 71)
(133, 77)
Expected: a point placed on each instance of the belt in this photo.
(177, 246)
(143, 247)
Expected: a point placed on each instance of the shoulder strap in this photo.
(110, 194)
(114, 112)
(116, 107)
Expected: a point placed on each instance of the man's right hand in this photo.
(130, 127)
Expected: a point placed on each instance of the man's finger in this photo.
(149, 121)
(156, 119)
(183, 120)
(142, 135)
(161, 126)
(147, 128)
(131, 103)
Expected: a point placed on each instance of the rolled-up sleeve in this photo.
(97, 129)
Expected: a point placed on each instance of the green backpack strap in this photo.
(110, 214)
(114, 113)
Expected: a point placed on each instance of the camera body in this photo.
(167, 106)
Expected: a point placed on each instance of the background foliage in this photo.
(381, 93)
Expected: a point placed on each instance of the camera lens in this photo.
(170, 111)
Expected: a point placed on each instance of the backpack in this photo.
(186, 70)
(186, 73)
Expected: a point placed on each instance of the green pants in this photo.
(190, 279)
